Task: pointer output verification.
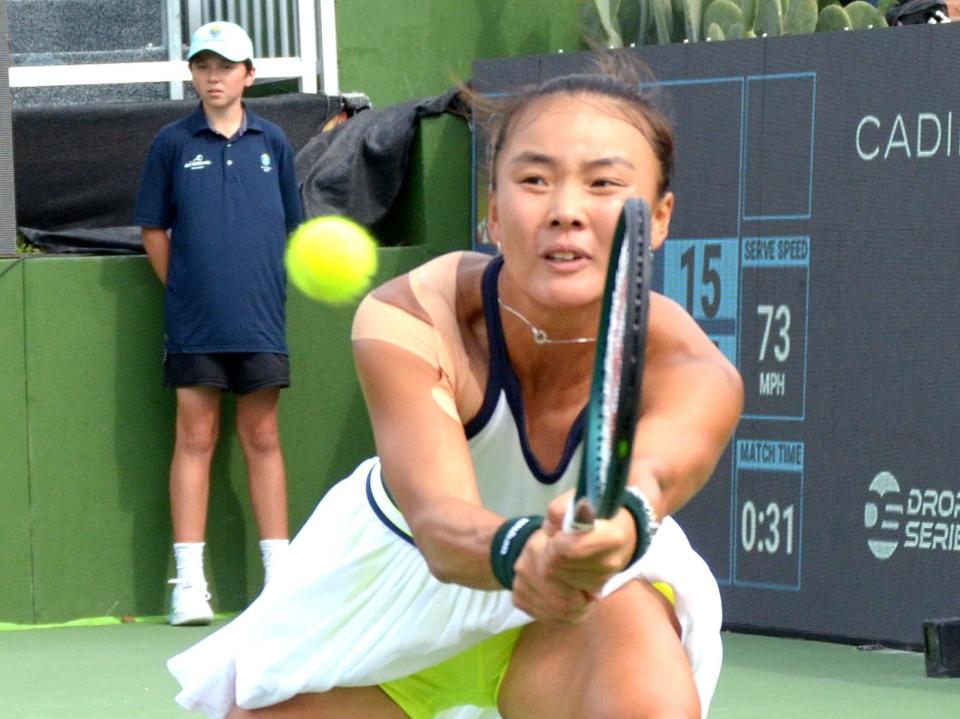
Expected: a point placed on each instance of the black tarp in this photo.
(357, 169)
(917, 12)
(77, 168)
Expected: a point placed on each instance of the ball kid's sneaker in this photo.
(189, 605)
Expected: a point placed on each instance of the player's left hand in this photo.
(586, 560)
(540, 594)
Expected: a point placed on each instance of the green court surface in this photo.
(117, 672)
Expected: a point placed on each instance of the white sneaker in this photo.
(190, 604)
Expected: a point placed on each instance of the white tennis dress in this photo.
(355, 604)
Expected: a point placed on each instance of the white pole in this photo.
(194, 16)
(174, 42)
(328, 48)
(307, 24)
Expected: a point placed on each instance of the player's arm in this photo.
(156, 242)
(692, 399)
(428, 469)
(425, 461)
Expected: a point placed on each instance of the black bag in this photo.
(917, 12)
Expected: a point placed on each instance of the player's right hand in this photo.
(586, 560)
(540, 592)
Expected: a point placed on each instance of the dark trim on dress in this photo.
(503, 378)
(380, 515)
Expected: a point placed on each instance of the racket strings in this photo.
(612, 370)
(615, 390)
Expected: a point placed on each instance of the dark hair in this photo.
(620, 79)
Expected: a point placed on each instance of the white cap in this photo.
(224, 38)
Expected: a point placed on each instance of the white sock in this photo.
(189, 558)
(273, 551)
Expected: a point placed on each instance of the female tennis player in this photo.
(476, 372)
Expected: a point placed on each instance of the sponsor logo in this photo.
(923, 519)
(265, 162)
(905, 136)
(197, 163)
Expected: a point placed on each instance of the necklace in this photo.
(540, 336)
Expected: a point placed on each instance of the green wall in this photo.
(87, 427)
(91, 505)
(397, 50)
(16, 560)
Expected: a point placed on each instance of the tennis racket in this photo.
(614, 404)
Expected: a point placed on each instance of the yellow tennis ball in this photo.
(331, 259)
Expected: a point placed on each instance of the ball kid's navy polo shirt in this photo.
(229, 205)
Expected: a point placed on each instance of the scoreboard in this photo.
(750, 297)
(816, 241)
(746, 281)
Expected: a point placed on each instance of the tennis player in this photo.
(476, 372)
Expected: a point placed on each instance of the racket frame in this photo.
(608, 440)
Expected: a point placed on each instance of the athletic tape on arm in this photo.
(378, 320)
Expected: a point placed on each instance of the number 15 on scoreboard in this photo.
(703, 276)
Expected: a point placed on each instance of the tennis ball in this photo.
(331, 259)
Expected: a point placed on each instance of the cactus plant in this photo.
(714, 33)
(769, 20)
(833, 17)
(662, 26)
(611, 23)
(749, 10)
(863, 15)
(692, 15)
(590, 22)
(614, 23)
(800, 18)
(723, 14)
(607, 12)
(629, 18)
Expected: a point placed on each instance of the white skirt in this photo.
(355, 605)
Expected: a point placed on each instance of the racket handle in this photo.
(579, 516)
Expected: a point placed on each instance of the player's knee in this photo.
(645, 710)
(238, 713)
(672, 712)
(646, 704)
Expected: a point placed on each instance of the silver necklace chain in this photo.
(540, 336)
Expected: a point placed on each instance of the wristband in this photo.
(645, 519)
(508, 543)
